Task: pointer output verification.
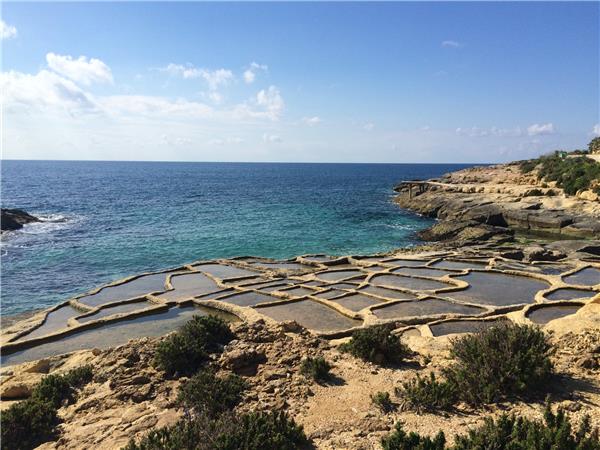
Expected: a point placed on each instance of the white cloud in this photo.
(369, 126)
(250, 73)
(311, 121)
(272, 101)
(7, 31)
(451, 44)
(538, 129)
(43, 91)
(596, 130)
(226, 141)
(214, 78)
(271, 138)
(493, 131)
(81, 70)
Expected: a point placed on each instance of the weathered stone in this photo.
(14, 219)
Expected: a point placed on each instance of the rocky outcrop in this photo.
(14, 219)
(499, 196)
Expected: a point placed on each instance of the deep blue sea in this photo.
(107, 220)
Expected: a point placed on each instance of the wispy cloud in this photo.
(7, 31)
(81, 70)
(493, 131)
(271, 138)
(271, 100)
(225, 141)
(370, 126)
(452, 44)
(251, 72)
(596, 130)
(538, 129)
(311, 121)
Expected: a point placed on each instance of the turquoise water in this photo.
(107, 220)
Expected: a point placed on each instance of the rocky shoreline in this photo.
(14, 219)
(491, 203)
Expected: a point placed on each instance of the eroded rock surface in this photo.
(14, 219)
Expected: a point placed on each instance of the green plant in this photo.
(376, 344)
(499, 362)
(400, 440)
(427, 394)
(31, 422)
(316, 368)
(253, 431)
(594, 145)
(534, 193)
(184, 351)
(383, 401)
(263, 431)
(206, 393)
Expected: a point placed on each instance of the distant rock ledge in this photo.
(14, 219)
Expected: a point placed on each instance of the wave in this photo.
(49, 223)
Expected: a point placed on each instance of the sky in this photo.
(298, 82)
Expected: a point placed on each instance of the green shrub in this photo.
(253, 431)
(376, 344)
(506, 433)
(29, 423)
(594, 145)
(186, 350)
(383, 401)
(263, 431)
(316, 368)
(427, 394)
(533, 193)
(400, 440)
(571, 174)
(555, 433)
(206, 393)
(500, 362)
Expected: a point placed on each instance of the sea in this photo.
(102, 221)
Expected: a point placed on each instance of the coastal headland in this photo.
(485, 267)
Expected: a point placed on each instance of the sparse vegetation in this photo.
(29, 423)
(570, 173)
(506, 433)
(206, 393)
(376, 344)
(503, 361)
(383, 401)
(253, 431)
(316, 368)
(534, 193)
(427, 394)
(594, 145)
(186, 350)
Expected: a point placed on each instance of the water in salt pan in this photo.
(386, 293)
(190, 285)
(118, 309)
(331, 293)
(498, 289)
(421, 308)
(589, 276)
(114, 334)
(338, 275)
(249, 299)
(569, 294)
(356, 302)
(417, 284)
(143, 285)
(310, 314)
(284, 266)
(298, 291)
(223, 272)
(421, 271)
(56, 320)
(406, 262)
(464, 326)
(545, 314)
(458, 265)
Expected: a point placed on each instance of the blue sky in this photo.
(330, 82)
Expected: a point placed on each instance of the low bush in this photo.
(507, 433)
(376, 344)
(316, 368)
(427, 394)
(253, 431)
(186, 350)
(383, 401)
(206, 393)
(31, 422)
(400, 440)
(534, 193)
(503, 361)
